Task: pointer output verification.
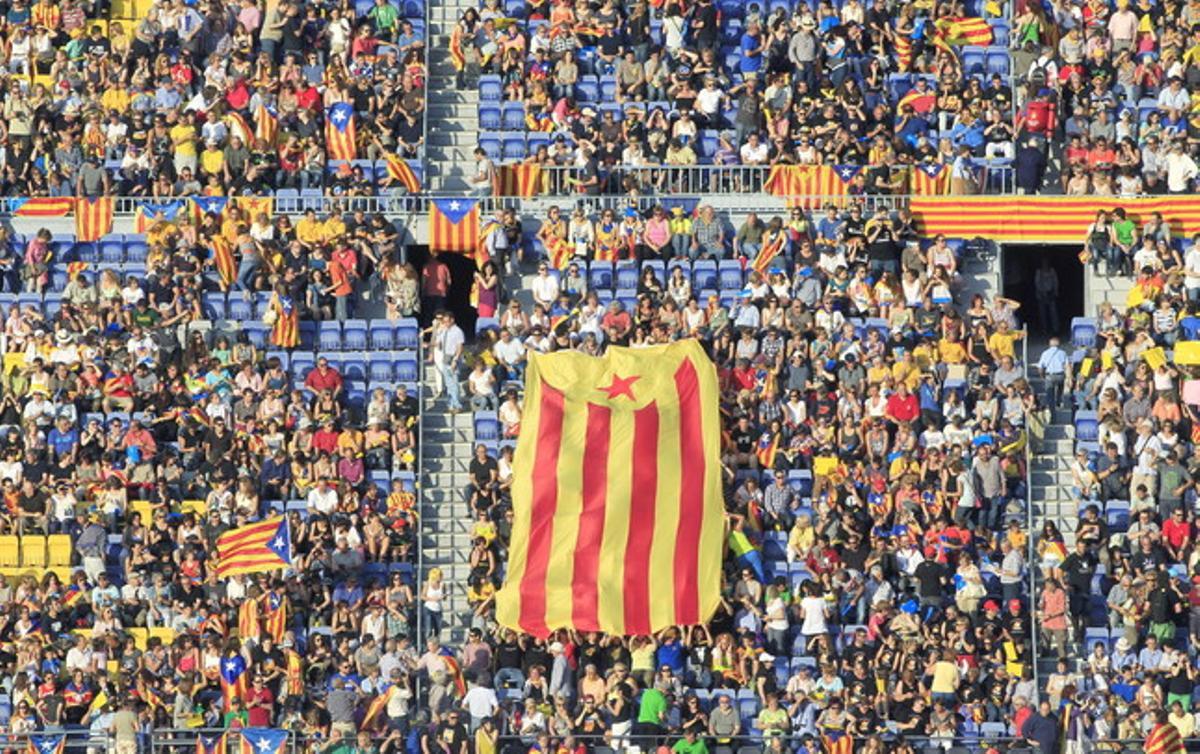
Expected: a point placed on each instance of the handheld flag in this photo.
(339, 132)
(263, 741)
(266, 124)
(208, 743)
(262, 546)
(962, 31)
(454, 225)
(590, 534)
(377, 706)
(454, 669)
(222, 257)
(47, 744)
(768, 448)
(457, 57)
(237, 125)
(559, 252)
(768, 251)
(233, 678)
(276, 619)
(401, 172)
(93, 218)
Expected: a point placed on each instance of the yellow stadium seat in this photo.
(121, 9)
(140, 636)
(84, 632)
(141, 8)
(144, 508)
(11, 573)
(44, 79)
(10, 551)
(199, 507)
(33, 551)
(166, 634)
(63, 573)
(59, 546)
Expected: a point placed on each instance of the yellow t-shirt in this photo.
(309, 231)
(951, 351)
(212, 161)
(945, 678)
(1002, 344)
(183, 136)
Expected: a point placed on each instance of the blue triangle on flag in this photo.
(281, 543)
(846, 172)
(455, 210)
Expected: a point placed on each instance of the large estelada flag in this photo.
(262, 546)
(339, 132)
(93, 218)
(454, 225)
(617, 493)
(41, 206)
(811, 185)
(263, 741)
(1044, 218)
(929, 179)
(519, 180)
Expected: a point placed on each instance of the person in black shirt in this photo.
(450, 736)
(704, 25)
(484, 473)
(743, 438)
(1079, 567)
(931, 577)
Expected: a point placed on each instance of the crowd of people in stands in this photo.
(1121, 604)
(876, 423)
(173, 99)
(1100, 92)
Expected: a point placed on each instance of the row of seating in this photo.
(35, 551)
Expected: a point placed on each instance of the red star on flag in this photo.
(620, 386)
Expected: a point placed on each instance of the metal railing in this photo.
(1030, 549)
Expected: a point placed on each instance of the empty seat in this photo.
(354, 335)
(33, 551)
(512, 116)
(329, 336)
(729, 275)
(627, 276)
(487, 426)
(1087, 428)
(704, 274)
(381, 335)
(489, 116)
(489, 88)
(407, 333)
(1083, 332)
(407, 369)
(600, 275)
(379, 368)
(58, 550)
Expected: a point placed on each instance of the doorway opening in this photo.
(1021, 263)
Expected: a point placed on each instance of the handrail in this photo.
(1030, 549)
(420, 493)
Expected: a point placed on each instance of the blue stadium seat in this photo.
(973, 59)
(487, 426)
(407, 369)
(287, 200)
(302, 364)
(256, 332)
(354, 335)
(1000, 32)
(600, 276)
(512, 116)
(329, 336)
(627, 276)
(608, 88)
(1116, 515)
(58, 280)
(381, 335)
(483, 324)
(1083, 332)
(379, 368)
(732, 33)
(708, 143)
(1087, 428)
(214, 306)
(898, 84)
(512, 146)
(516, 8)
(704, 274)
(408, 332)
(414, 9)
(490, 143)
(489, 116)
(489, 88)
(587, 89)
(239, 308)
(535, 141)
(729, 275)
(998, 61)
(112, 252)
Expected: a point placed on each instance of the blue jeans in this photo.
(245, 274)
(453, 389)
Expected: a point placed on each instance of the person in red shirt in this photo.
(435, 282)
(1177, 534)
(616, 323)
(324, 377)
(260, 704)
(325, 439)
(902, 406)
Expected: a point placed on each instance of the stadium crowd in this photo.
(993, 93)
(171, 99)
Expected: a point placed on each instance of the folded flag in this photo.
(47, 744)
(262, 546)
(617, 493)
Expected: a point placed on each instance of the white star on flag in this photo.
(264, 744)
(455, 206)
(277, 543)
(230, 666)
(339, 115)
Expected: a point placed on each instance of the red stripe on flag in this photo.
(541, 515)
(691, 495)
(586, 605)
(642, 501)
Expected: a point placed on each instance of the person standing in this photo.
(435, 284)
(450, 344)
(1045, 285)
(1053, 367)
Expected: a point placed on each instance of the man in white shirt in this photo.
(544, 287)
(450, 344)
(1181, 169)
(481, 182)
(480, 702)
(322, 499)
(754, 152)
(510, 354)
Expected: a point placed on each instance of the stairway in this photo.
(445, 515)
(453, 113)
(1050, 475)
